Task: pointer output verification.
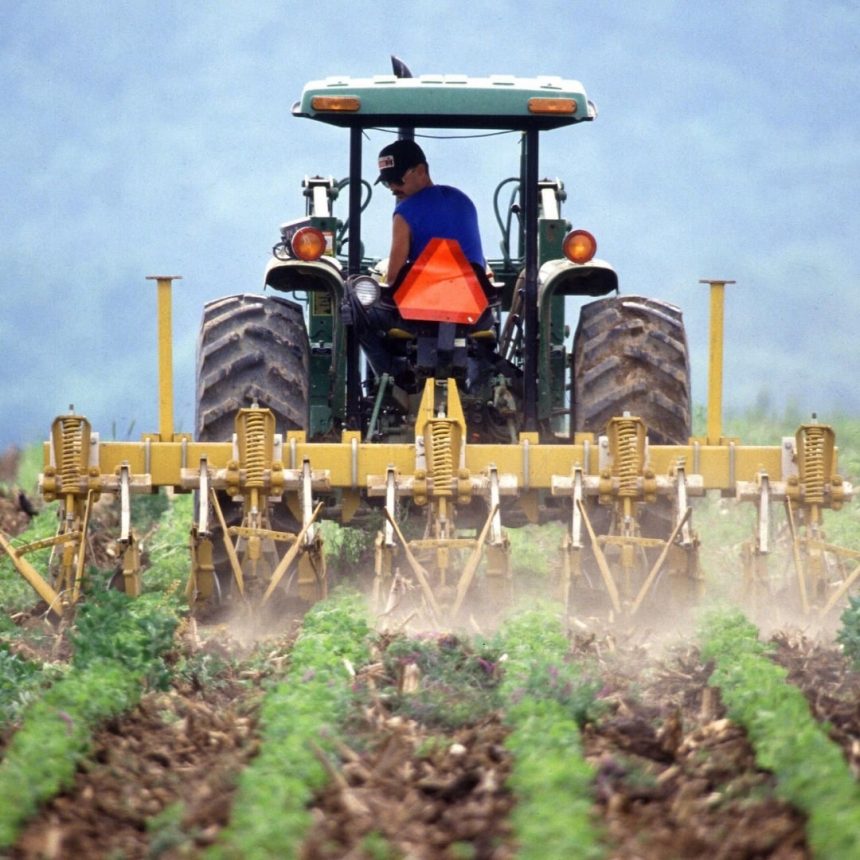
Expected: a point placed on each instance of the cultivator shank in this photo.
(625, 482)
(254, 475)
(809, 486)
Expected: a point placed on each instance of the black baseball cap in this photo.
(396, 158)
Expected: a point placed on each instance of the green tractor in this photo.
(628, 355)
(301, 358)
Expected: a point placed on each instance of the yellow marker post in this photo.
(715, 360)
(165, 354)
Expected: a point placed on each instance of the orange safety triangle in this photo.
(441, 286)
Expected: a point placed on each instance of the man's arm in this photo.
(400, 238)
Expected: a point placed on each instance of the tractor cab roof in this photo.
(446, 101)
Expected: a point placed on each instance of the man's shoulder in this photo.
(451, 196)
(450, 191)
(435, 198)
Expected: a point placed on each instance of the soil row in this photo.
(673, 776)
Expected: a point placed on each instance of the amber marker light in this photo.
(345, 104)
(547, 105)
(579, 246)
(308, 243)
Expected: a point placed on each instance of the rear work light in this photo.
(366, 290)
(308, 243)
(345, 104)
(579, 246)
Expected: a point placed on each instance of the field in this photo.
(134, 731)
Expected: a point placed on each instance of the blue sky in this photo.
(156, 138)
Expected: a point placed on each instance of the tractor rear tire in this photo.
(252, 349)
(630, 355)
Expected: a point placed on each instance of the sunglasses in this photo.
(387, 183)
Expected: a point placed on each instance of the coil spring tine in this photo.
(72, 449)
(254, 455)
(441, 456)
(812, 466)
(628, 465)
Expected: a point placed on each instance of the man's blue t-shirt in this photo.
(442, 212)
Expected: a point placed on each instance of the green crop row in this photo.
(810, 770)
(43, 755)
(21, 680)
(118, 648)
(849, 634)
(300, 717)
(547, 700)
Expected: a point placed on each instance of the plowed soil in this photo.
(675, 778)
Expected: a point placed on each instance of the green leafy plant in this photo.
(299, 719)
(168, 552)
(167, 837)
(458, 682)
(345, 547)
(376, 847)
(21, 681)
(535, 551)
(134, 632)
(809, 767)
(547, 698)
(147, 510)
(849, 634)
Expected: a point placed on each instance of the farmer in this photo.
(424, 210)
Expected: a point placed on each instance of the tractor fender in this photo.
(323, 275)
(564, 278)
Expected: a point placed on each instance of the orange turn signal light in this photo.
(579, 246)
(548, 105)
(308, 243)
(348, 104)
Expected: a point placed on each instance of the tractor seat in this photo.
(485, 335)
